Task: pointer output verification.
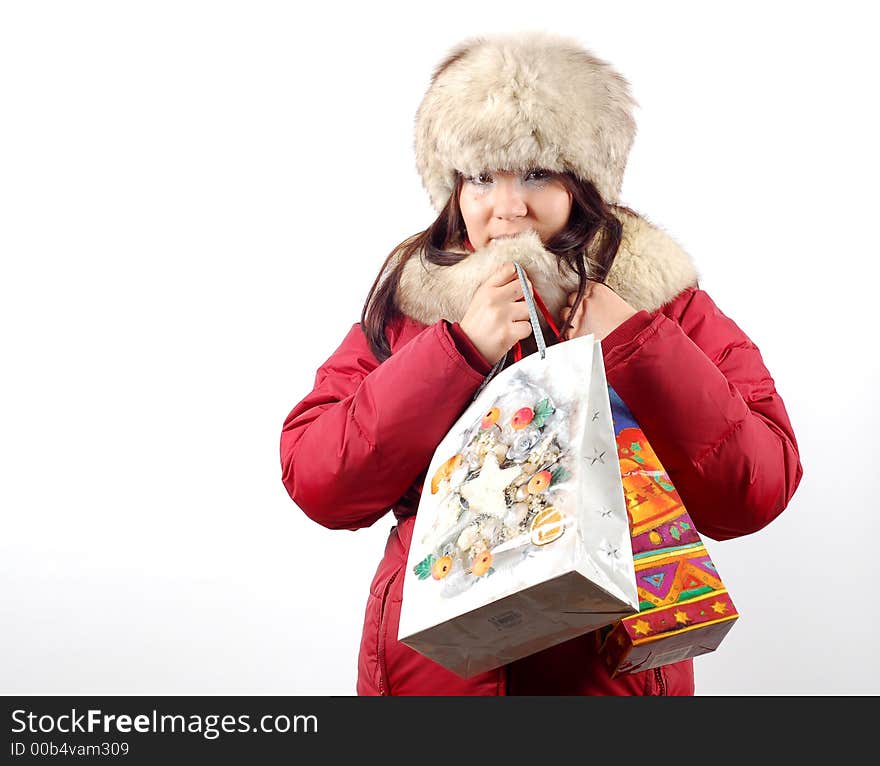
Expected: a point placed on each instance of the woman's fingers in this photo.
(502, 275)
(513, 290)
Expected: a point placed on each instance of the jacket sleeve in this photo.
(698, 388)
(355, 444)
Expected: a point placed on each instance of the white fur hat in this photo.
(521, 101)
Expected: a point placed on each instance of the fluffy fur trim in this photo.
(650, 269)
(520, 101)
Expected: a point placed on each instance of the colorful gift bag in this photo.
(521, 539)
(684, 608)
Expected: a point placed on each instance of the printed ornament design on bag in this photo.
(684, 608)
(499, 493)
(521, 538)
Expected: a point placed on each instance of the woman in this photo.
(521, 142)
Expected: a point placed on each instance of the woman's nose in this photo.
(509, 199)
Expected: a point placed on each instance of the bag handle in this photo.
(533, 317)
(536, 328)
(531, 300)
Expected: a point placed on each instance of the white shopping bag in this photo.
(521, 539)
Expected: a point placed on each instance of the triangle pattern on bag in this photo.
(658, 580)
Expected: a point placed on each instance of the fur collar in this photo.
(650, 269)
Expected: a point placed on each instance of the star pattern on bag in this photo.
(612, 555)
(642, 627)
(597, 456)
(485, 493)
(611, 551)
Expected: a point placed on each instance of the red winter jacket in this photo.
(364, 436)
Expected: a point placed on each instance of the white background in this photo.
(194, 201)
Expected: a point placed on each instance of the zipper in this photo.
(380, 644)
(661, 682)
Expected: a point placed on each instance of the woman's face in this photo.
(498, 203)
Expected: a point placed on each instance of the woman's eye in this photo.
(481, 179)
(485, 178)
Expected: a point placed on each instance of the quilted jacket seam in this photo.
(735, 428)
(636, 343)
(361, 430)
(448, 346)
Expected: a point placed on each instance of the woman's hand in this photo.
(600, 311)
(497, 316)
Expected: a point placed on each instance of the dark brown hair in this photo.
(592, 232)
